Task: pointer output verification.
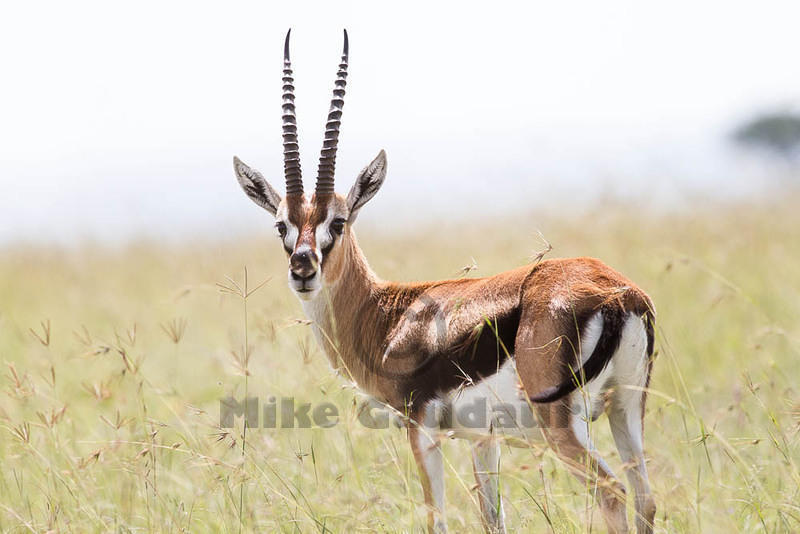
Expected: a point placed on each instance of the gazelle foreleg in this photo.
(486, 466)
(428, 455)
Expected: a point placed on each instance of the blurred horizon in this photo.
(121, 122)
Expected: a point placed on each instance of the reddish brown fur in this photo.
(366, 311)
(539, 311)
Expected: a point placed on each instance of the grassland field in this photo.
(114, 359)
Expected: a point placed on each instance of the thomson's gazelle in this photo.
(542, 349)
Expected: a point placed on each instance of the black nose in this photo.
(303, 264)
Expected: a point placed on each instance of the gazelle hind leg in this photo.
(567, 434)
(625, 416)
(486, 466)
(626, 426)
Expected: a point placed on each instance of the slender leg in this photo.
(625, 418)
(486, 466)
(568, 435)
(428, 454)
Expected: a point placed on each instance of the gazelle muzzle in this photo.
(303, 271)
(303, 264)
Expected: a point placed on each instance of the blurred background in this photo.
(664, 140)
(121, 121)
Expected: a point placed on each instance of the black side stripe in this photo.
(613, 321)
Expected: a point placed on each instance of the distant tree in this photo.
(778, 133)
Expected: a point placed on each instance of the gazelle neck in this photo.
(353, 318)
(344, 313)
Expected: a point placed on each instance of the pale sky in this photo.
(122, 119)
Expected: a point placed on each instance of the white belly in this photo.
(496, 405)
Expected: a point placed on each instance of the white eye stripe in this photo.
(290, 238)
(324, 243)
(322, 232)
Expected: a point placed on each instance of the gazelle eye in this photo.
(281, 227)
(337, 226)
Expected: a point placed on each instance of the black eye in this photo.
(281, 228)
(337, 226)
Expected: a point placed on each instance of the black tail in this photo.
(613, 321)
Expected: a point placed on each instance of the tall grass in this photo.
(115, 360)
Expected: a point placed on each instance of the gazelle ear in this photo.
(256, 186)
(367, 184)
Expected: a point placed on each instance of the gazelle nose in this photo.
(303, 264)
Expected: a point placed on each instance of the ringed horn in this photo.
(327, 160)
(291, 149)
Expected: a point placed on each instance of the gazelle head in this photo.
(314, 232)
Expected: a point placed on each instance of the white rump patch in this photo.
(626, 373)
(591, 335)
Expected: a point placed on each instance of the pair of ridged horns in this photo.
(291, 148)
